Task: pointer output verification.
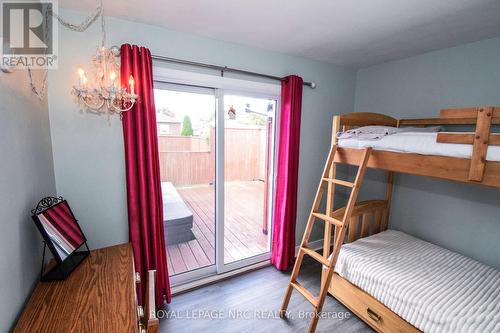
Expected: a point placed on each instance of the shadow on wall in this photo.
(375, 180)
(466, 192)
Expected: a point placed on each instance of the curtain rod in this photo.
(223, 69)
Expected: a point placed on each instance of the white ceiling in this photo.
(345, 32)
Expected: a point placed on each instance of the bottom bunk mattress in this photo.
(434, 289)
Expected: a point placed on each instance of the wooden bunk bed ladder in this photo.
(328, 181)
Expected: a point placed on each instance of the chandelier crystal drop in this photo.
(100, 91)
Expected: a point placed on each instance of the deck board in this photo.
(243, 237)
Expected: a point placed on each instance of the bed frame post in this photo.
(388, 198)
(335, 129)
(480, 145)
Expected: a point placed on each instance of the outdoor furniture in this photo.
(177, 217)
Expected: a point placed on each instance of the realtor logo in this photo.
(29, 34)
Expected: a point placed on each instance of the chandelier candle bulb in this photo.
(84, 81)
(112, 78)
(81, 73)
(131, 83)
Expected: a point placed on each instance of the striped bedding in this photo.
(434, 289)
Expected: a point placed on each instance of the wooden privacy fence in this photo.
(187, 167)
(191, 160)
(168, 143)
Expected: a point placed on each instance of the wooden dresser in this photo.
(99, 296)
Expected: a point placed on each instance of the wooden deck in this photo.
(243, 237)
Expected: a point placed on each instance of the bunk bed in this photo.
(476, 169)
(367, 277)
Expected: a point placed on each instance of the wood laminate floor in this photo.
(250, 303)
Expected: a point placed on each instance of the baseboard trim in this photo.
(315, 245)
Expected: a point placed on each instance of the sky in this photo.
(201, 107)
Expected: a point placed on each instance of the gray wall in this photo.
(26, 175)
(461, 217)
(88, 149)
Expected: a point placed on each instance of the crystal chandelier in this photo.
(103, 91)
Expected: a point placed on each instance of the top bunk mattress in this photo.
(434, 289)
(418, 143)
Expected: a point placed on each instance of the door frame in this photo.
(221, 86)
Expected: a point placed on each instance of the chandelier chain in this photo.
(103, 26)
(81, 27)
(40, 93)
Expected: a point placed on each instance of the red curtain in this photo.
(285, 207)
(61, 219)
(145, 207)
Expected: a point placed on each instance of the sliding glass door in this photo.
(248, 163)
(185, 117)
(216, 148)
